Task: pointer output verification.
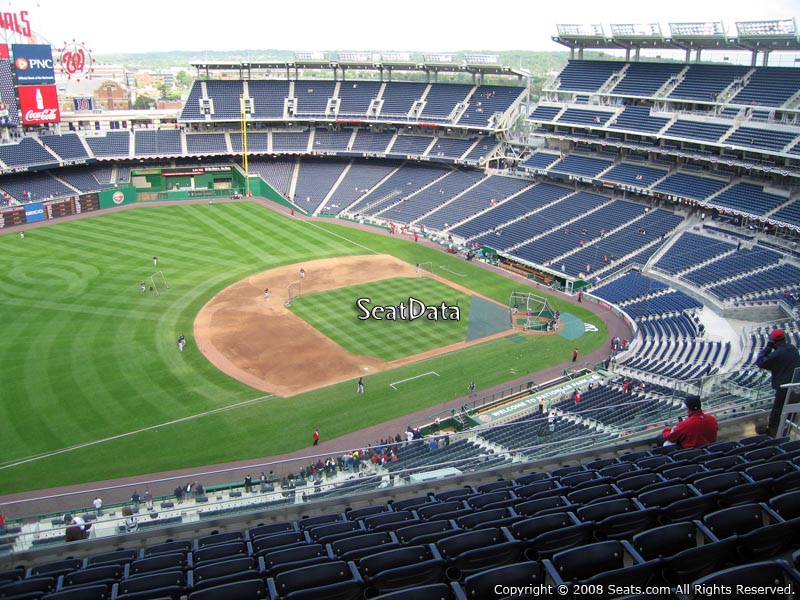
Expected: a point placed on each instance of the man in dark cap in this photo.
(781, 359)
(76, 529)
(696, 429)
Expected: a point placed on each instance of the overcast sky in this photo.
(112, 26)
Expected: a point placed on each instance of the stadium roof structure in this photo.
(753, 36)
(477, 65)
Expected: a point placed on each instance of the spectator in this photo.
(98, 506)
(781, 359)
(131, 522)
(76, 529)
(696, 429)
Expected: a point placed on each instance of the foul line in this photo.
(453, 272)
(130, 433)
(392, 385)
(341, 237)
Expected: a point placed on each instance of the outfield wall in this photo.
(46, 210)
(202, 182)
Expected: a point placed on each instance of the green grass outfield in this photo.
(334, 313)
(86, 357)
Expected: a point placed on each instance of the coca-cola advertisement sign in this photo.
(39, 104)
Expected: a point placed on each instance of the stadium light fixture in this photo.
(638, 30)
(356, 57)
(577, 30)
(482, 59)
(316, 56)
(778, 27)
(705, 29)
(447, 59)
(396, 57)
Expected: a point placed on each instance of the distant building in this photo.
(105, 94)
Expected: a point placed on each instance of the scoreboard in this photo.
(74, 205)
(10, 217)
(88, 203)
(59, 208)
(53, 209)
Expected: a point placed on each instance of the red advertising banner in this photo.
(39, 104)
(4, 51)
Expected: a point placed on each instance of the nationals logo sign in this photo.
(75, 60)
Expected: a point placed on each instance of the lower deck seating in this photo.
(667, 516)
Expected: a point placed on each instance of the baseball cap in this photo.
(692, 402)
(67, 518)
(777, 334)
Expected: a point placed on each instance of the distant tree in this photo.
(143, 103)
(164, 90)
(183, 79)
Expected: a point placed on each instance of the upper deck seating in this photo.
(637, 118)
(157, 142)
(486, 101)
(587, 75)
(355, 97)
(773, 140)
(705, 82)
(399, 97)
(697, 130)
(749, 198)
(645, 79)
(269, 98)
(67, 146)
(442, 99)
(770, 86)
(26, 152)
(113, 144)
(689, 185)
(313, 96)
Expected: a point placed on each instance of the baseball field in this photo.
(94, 387)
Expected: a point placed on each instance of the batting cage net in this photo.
(531, 311)
(292, 292)
(158, 283)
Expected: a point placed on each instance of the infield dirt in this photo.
(263, 344)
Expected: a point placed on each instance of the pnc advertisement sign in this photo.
(39, 104)
(34, 63)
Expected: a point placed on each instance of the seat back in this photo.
(369, 566)
(483, 584)
(251, 589)
(589, 560)
(159, 562)
(312, 576)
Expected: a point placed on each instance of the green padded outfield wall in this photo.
(117, 197)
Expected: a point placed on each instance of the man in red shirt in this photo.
(696, 429)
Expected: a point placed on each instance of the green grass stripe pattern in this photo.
(335, 313)
(85, 356)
